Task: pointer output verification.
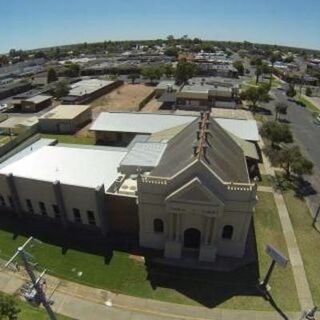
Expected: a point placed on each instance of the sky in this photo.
(28, 24)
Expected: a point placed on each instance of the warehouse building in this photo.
(85, 91)
(65, 119)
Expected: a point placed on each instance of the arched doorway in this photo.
(192, 238)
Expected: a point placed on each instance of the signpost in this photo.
(277, 258)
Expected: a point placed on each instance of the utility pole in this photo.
(36, 283)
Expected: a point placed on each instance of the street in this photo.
(307, 136)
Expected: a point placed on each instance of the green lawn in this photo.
(29, 312)
(308, 104)
(308, 240)
(122, 274)
(265, 181)
(268, 231)
(62, 138)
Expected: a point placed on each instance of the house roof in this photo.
(222, 154)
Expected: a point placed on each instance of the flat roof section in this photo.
(65, 111)
(27, 150)
(136, 122)
(89, 86)
(72, 166)
(38, 99)
(13, 122)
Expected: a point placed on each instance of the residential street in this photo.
(307, 136)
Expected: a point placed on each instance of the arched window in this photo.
(227, 232)
(158, 226)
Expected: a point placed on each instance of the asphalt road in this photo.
(307, 136)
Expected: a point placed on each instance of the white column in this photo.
(172, 226)
(178, 219)
(207, 231)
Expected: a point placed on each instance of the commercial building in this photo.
(65, 119)
(184, 190)
(85, 91)
(36, 103)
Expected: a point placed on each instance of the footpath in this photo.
(299, 274)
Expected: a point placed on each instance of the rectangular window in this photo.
(56, 211)
(2, 201)
(43, 209)
(91, 218)
(29, 206)
(76, 215)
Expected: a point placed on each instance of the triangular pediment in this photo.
(194, 191)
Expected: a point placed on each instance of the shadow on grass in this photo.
(274, 305)
(207, 287)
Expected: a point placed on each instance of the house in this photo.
(65, 119)
(185, 191)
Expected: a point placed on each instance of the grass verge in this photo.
(265, 181)
(308, 104)
(308, 240)
(124, 274)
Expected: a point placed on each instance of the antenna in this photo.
(37, 284)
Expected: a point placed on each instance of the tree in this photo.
(152, 73)
(171, 52)
(185, 70)
(62, 89)
(273, 59)
(276, 133)
(52, 75)
(133, 77)
(255, 95)
(281, 108)
(168, 70)
(308, 92)
(239, 66)
(291, 161)
(73, 70)
(8, 307)
(291, 92)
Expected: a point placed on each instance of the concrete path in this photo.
(299, 274)
(303, 289)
